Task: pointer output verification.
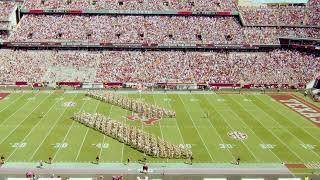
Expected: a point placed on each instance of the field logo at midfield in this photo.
(146, 121)
(237, 135)
(300, 106)
(69, 104)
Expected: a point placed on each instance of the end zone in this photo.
(3, 95)
(301, 106)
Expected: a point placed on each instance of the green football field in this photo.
(217, 127)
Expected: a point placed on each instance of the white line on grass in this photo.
(160, 119)
(65, 137)
(14, 113)
(12, 102)
(284, 128)
(234, 130)
(49, 132)
(104, 136)
(294, 122)
(250, 127)
(277, 136)
(218, 134)
(86, 134)
(196, 128)
(33, 128)
(24, 119)
(177, 125)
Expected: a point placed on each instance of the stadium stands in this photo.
(278, 66)
(149, 29)
(194, 5)
(6, 7)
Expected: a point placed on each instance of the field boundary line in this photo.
(215, 128)
(299, 140)
(33, 128)
(24, 119)
(261, 110)
(49, 132)
(85, 136)
(69, 129)
(184, 106)
(254, 156)
(12, 102)
(249, 126)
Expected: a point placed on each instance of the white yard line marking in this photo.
(78, 154)
(104, 136)
(65, 137)
(175, 119)
(33, 128)
(277, 136)
(12, 102)
(49, 132)
(250, 127)
(254, 156)
(284, 128)
(228, 149)
(24, 119)
(196, 128)
(294, 122)
(26, 102)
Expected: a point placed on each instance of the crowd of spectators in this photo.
(3, 35)
(278, 66)
(6, 7)
(192, 5)
(149, 29)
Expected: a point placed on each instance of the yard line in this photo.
(291, 133)
(34, 127)
(277, 136)
(24, 119)
(176, 121)
(234, 130)
(65, 137)
(104, 136)
(294, 122)
(14, 113)
(217, 132)
(12, 102)
(196, 128)
(250, 127)
(160, 119)
(86, 134)
(49, 132)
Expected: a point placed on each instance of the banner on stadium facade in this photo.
(87, 85)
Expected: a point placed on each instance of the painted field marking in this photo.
(20, 96)
(24, 119)
(69, 129)
(249, 126)
(217, 131)
(207, 149)
(50, 130)
(301, 142)
(226, 146)
(34, 127)
(285, 145)
(104, 136)
(267, 146)
(295, 123)
(18, 145)
(245, 145)
(78, 154)
(13, 113)
(175, 119)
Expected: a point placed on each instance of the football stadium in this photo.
(160, 89)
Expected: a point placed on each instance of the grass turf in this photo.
(35, 126)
